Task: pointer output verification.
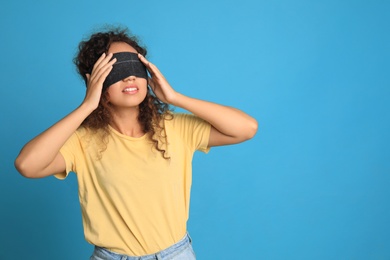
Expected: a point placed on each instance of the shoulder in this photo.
(183, 122)
(82, 131)
(182, 118)
(189, 129)
(84, 134)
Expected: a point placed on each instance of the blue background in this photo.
(313, 183)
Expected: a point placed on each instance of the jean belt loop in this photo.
(158, 256)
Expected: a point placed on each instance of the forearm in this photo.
(227, 120)
(229, 125)
(37, 154)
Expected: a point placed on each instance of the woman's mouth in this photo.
(130, 90)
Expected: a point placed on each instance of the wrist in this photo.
(87, 108)
(177, 100)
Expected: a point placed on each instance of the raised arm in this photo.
(41, 157)
(229, 125)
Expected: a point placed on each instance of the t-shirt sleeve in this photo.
(70, 151)
(194, 130)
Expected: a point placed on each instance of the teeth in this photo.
(129, 89)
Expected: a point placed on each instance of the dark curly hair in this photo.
(151, 109)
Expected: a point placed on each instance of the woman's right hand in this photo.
(100, 71)
(41, 156)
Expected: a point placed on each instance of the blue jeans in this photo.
(182, 250)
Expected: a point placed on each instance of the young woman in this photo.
(131, 154)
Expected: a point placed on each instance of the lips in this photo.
(130, 89)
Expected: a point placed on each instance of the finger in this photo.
(155, 71)
(102, 77)
(102, 61)
(99, 60)
(148, 64)
(87, 75)
(105, 59)
(151, 83)
(102, 70)
(143, 59)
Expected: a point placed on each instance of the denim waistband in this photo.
(164, 254)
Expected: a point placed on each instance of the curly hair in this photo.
(152, 111)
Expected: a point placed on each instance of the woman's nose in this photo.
(129, 78)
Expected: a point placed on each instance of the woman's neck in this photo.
(125, 121)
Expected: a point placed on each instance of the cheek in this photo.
(141, 82)
(113, 88)
(143, 85)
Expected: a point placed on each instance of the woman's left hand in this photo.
(160, 86)
(229, 125)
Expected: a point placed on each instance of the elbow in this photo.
(251, 130)
(23, 168)
(246, 133)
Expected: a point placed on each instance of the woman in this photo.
(131, 154)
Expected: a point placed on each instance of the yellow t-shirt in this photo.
(133, 201)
